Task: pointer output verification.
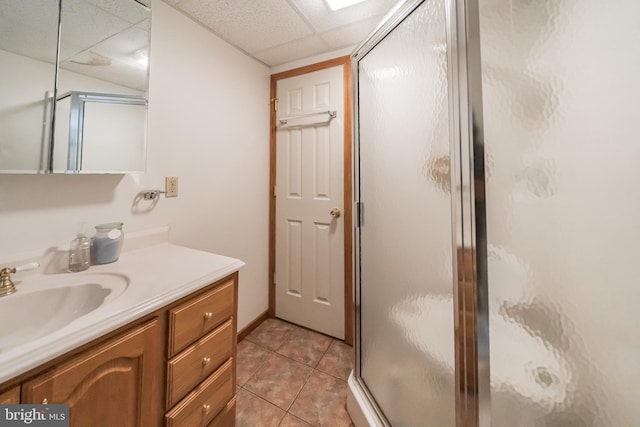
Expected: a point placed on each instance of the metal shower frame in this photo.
(468, 211)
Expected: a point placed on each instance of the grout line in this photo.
(308, 329)
(257, 369)
(296, 417)
(300, 391)
(331, 375)
(273, 353)
(313, 369)
(270, 403)
(286, 338)
(301, 388)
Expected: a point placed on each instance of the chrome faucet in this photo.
(7, 287)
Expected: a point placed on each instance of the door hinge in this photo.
(359, 214)
(275, 104)
(275, 191)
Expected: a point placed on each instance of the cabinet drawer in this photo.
(194, 318)
(201, 406)
(198, 361)
(10, 396)
(226, 418)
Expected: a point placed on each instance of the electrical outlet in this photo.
(171, 186)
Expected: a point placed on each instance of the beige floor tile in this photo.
(271, 333)
(291, 421)
(322, 401)
(338, 360)
(251, 411)
(279, 380)
(305, 346)
(250, 357)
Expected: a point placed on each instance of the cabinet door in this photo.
(10, 396)
(115, 383)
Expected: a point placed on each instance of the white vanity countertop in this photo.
(157, 275)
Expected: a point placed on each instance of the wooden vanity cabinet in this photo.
(175, 366)
(226, 417)
(116, 383)
(10, 396)
(201, 370)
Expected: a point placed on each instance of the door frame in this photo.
(345, 62)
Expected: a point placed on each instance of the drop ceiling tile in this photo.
(29, 28)
(131, 11)
(291, 51)
(121, 72)
(351, 34)
(324, 19)
(124, 45)
(33, 14)
(252, 25)
(84, 25)
(114, 59)
(144, 25)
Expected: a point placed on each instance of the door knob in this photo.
(335, 213)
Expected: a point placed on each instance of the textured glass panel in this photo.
(561, 113)
(407, 332)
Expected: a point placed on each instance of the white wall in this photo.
(208, 125)
(22, 103)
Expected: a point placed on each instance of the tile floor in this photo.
(289, 376)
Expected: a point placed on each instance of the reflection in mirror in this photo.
(100, 124)
(104, 46)
(28, 35)
(113, 125)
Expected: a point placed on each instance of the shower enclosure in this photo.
(497, 278)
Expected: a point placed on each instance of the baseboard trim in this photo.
(251, 326)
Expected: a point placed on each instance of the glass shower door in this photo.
(406, 323)
(561, 107)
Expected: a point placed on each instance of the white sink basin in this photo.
(44, 304)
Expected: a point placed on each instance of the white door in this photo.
(309, 254)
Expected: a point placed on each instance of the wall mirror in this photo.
(93, 117)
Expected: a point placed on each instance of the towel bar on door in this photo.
(285, 120)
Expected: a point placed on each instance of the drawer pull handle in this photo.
(206, 361)
(205, 409)
(45, 401)
(208, 316)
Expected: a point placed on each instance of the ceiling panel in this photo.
(322, 18)
(280, 31)
(132, 12)
(292, 51)
(272, 31)
(252, 25)
(115, 59)
(352, 34)
(26, 28)
(84, 25)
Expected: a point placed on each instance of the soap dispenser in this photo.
(79, 251)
